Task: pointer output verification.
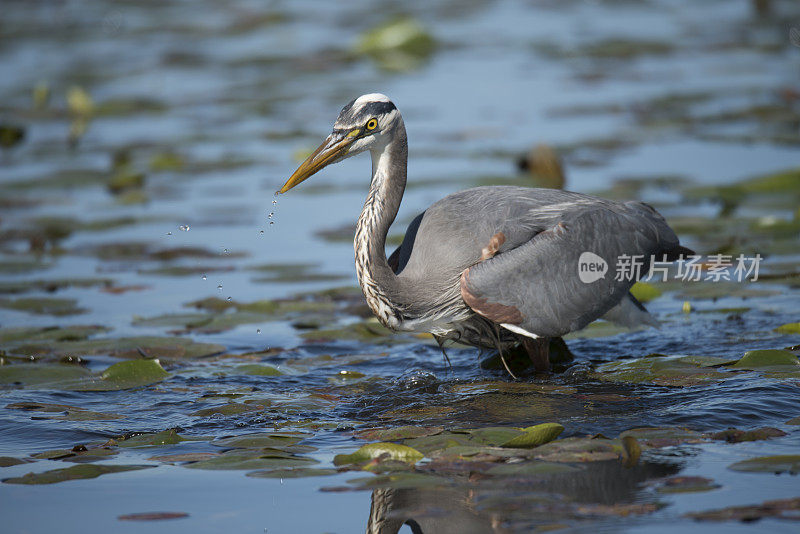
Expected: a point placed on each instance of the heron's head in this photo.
(366, 123)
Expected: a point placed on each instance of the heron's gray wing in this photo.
(537, 286)
(399, 258)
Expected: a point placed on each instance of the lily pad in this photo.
(76, 472)
(298, 472)
(579, 450)
(257, 370)
(165, 437)
(787, 463)
(43, 306)
(660, 370)
(687, 484)
(658, 437)
(232, 408)
(8, 461)
(398, 433)
(125, 375)
(757, 359)
(645, 292)
(46, 375)
(392, 451)
(535, 435)
(260, 440)
(733, 435)
(781, 509)
(534, 468)
(252, 459)
(789, 328)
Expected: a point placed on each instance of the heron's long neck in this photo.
(380, 285)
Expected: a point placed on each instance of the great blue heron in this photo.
(491, 266)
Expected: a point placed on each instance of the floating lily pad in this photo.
(392, 451)
(125, 375)
(645, 292)
(76, 472)
(260, 440)
(8, 461)
(687, 484)
(252, 459)
(165, 437)
(254, 369)
(788, 463)
(45, 375)
(166, 348)
(733, 435)
(757, 359)
(664, 436)
(781, 509)
(400, 44)
(185, 457)
(78, 454)
(232, 408)
(535, 468)
(398, 433)
(298, 472)
(579, 450)
(789, 328)
(535, 435)
(43, 306)
(15, 336)
(631, 451)
(660, 370)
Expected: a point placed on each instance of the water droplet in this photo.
(225, 251)
(184, 228)
(205, 277)
(219, 287)
(258, 331)
(169, 233)
(271, 215)
(229, 299)
(271, 223)
(261, 232)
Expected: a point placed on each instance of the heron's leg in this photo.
(539, 352)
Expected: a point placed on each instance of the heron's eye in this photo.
(372, 124)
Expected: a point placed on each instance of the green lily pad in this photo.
(43, 306)
(400, 44)
(733, 435)
(232, 408)
(78, 454)
(166, 348)
(157, 439)
(658, 437)
(298, 472)
(645, 292)
(254, 369)
(260, 440)
(46, 375)
(780, 509)
(793, 421)
(393, 451)
(429, 444)
(14, 336)
(76, 472)
(787, 463)
(185, 457)
(398, 433)
(579, 450)
(252, 459)
(535, 435)
(125, 375)
(687, 484)
(756, 359)
(8, 461)
(789, 328)
(534, 468)
(660, 370)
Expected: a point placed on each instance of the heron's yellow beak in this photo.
(330, 149)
